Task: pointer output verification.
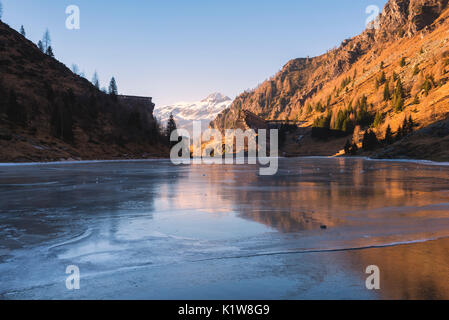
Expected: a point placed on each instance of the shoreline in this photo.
(10, 164)
(418, 161)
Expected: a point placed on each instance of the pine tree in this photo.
(324, 121)
(398, 104)
(398, 99)
(348, 126)
(388, 136)
(40, 45)
(365, 143)
(411, 122)
(22, 31)
(370, 141)
(113, 91)
(381, 80)
(405, 127)
(50, 52)
(339, 121)
(416, 70)
(400, 133)
(329, 101)
(309, 109)
(378, 119)
(171, 126)
(362, 116)
(410, 125)
(387, 95)
(96, 80)
(399, 88)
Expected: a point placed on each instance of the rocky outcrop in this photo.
(248, 120)
(407, 17)
(144, 106)
(144, 103)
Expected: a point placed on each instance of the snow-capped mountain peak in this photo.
(185, 113)
(216, 98)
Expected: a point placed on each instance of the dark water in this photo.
(147, 229)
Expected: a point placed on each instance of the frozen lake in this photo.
(150, 230)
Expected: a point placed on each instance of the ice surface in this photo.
(148, 229)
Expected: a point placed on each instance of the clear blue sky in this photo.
(182, 50)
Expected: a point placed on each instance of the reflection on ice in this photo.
(134, 222)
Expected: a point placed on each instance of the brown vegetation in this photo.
(49, 113)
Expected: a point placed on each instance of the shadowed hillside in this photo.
(49, 113)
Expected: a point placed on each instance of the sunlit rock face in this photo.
(410, 15)
(407, 42)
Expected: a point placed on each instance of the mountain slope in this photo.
(48, 113)
(185, 112)
(410, 45)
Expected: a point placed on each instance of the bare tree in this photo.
(96, 80)
(40, 46)
(46, 40)
(50, 52)
(75, 69)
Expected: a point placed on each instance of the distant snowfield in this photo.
(186, 112)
